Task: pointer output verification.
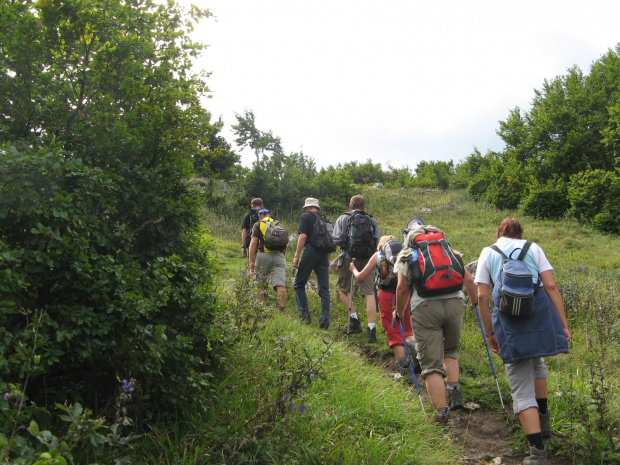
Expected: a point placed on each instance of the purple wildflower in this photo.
(127, 386)
(283, 419)
(564, 288)
(285, 398)
(292, 405)
(302, 408)
(6, 396)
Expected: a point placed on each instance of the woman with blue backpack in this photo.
(528, 322)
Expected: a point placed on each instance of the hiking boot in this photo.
(545, 424)
(371, 335)
(454, 400)
(417, 368)
(405, 371)
(536, 457)
(305, 317)
(323, 324)
(354, 326)
(441, 418)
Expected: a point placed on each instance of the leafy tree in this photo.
(249, 136)
(100, 121)
(594, 198)
(434, 174)
(334, 188)
(216, 159)
(365, 173)
(399, 177)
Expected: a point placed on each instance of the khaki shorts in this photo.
(367, 287)
(273, 265)
(437, 326)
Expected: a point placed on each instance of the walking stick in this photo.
(486, 343)
(410, 362)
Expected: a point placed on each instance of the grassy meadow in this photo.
(295, 394)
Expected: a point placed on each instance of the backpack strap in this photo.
(499, 251)
(524, 250)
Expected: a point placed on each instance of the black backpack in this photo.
(253, 219)
(322, 235)
(386, 277)
(360, 239)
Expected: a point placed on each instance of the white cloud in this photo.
(398, 81)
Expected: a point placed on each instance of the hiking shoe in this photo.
(441, 418)
(371, 335)
(405, 371)
(417, 368)
(305, 317)
(323, 324)
(545, 424)
(536, 457)
(354, 326)
(454, 400)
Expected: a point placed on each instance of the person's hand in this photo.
(245, 252)
(252, 266)
(395, 317)
(568, 335)
(296, 262)
(493, 344)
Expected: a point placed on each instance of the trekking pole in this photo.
(350, 303)
(410, 362)
(486, 343)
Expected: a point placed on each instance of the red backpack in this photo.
(436, 269)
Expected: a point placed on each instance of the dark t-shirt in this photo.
(246, 223)
(306, 223)
(256, 232)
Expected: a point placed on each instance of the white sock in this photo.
(371, 325)
(353, 315)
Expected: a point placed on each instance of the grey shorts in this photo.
(437, 326)
(367, 287)
(521, 376)
(273, 265)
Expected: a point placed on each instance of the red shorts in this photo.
(387, 301)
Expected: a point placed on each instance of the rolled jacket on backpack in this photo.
(538, 335)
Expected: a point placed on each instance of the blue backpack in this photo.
(514, 290)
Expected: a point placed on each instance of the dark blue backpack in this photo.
(514, 290)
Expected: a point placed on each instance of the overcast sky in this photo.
(396, 82)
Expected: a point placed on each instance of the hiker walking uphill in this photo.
(528, 323)
(383, 262)
(434, 274)
(357, 233)
(314, 246)
(267, 251)
(247, 224)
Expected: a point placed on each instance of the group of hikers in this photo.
(421, 283)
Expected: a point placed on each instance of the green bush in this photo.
(546, 202)
(593, 196)
(113, 296)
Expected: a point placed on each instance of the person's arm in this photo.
(484, 301)
(470, 287)
(402, 295)
(551, 288)
(253, 249)
(301, 242)
(244, 236)
(362, 275)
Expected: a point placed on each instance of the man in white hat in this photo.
(311, 260)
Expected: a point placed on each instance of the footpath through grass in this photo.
(353, 413)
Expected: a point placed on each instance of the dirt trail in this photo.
(482, 437)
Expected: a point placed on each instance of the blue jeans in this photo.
(311, 260)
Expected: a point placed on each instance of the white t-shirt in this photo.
(490, 262)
